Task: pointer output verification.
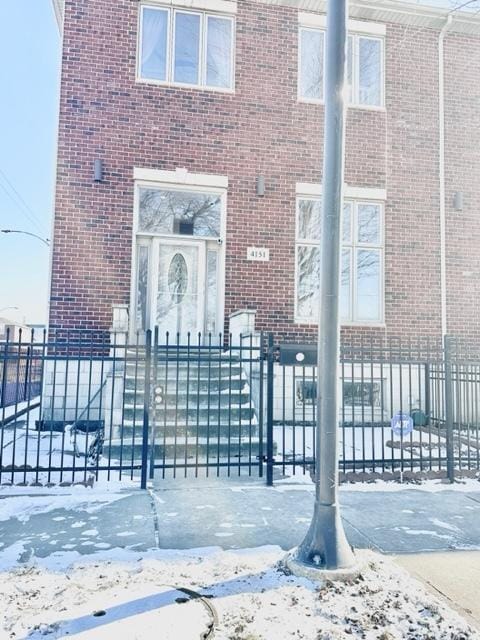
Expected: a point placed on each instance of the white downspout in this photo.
(441, 172)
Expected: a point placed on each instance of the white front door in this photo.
(178, 295)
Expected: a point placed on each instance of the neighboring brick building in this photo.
(204, 122)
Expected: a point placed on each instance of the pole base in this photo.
(318, 574)
(325, 547)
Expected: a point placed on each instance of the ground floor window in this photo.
(361, 291)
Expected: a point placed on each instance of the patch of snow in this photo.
(252, 596)
(24, 506)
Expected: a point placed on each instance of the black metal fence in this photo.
(87, 406)
(154, 406)
(20, 371)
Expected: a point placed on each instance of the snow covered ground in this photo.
(246, 596)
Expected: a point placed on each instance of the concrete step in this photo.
(188, 370)
(192, 415)
(213, 385)
(192, 400)
(231, 431)
(203, 450)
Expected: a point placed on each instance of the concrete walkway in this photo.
(181, 514)
(455, 577)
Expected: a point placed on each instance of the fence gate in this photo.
(206, 408)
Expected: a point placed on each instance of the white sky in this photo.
(449, 4)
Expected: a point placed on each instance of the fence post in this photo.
(260, 405)
(154, 404)
(146, 409)
(270, 386)
(449, 408)
(428, 408)
(26, 394)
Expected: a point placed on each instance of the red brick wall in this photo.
(462, 169)
(261, 129)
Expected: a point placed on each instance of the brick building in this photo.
(189, 167)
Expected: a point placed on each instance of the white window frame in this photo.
(353, 246)
(202, 64)
(356, 31)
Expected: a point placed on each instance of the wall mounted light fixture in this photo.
(458, 201)
(260, 186)
(98, 170)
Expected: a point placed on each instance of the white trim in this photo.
(396, 11)
(218, 6)
(319, 20)
(58, 9)
(357, 193)
(181, 176)
(176, 180)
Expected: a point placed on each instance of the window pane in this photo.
(142, 287)
(369, 223)
(345, 285)
(368, 285)
(370, 74)
(219, 52)
(309, 216)
(180, 212)
(362, 394)
(212, 287)
(347, 223)
(308, 273)
(187, 38)
(154, 44)
(311, 63)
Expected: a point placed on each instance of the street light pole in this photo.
(27, 233)
(325, 545)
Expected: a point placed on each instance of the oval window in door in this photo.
(177, 278)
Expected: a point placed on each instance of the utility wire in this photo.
(20, 203)
(26, 214)
(411, 33)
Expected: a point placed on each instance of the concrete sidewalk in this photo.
(233, 514)
(183, 514)
(454, 577)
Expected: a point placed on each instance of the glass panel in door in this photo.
(179, 305)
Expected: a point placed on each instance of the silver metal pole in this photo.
(325, 545)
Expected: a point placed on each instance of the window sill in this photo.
(350, 324)
(356, 107)
(179, 85)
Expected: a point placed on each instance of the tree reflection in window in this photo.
(180, 212)
(361, 268)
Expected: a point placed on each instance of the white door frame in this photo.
(177, 180)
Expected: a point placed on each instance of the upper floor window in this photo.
(364, 67)
(361, 288)
(183, 47)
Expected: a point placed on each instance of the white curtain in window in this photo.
(219, 52)
(154, 43)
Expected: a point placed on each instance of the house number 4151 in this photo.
(260, 254)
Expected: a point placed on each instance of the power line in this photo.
(20, 203)
(25, 213)
(411, 33)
